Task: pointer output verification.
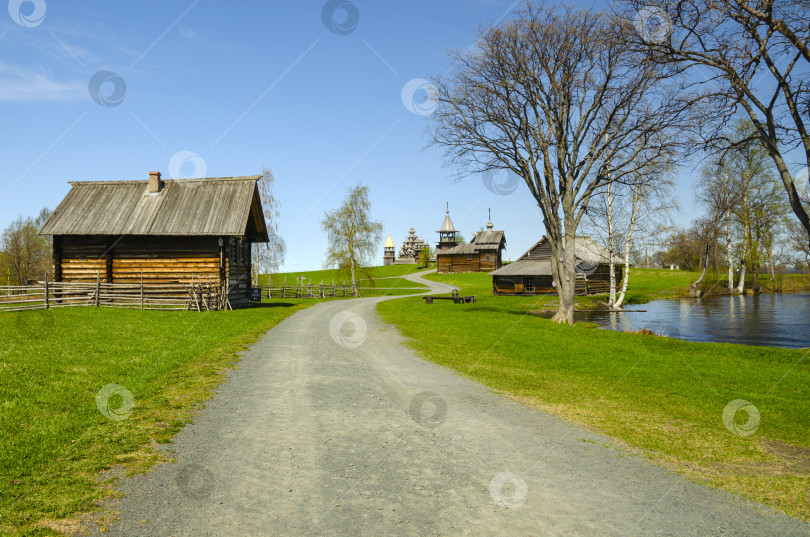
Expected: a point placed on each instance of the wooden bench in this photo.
(456, 299)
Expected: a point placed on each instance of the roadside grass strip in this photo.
(736, 417)
(86, 390)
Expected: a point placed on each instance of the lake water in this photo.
(775, 320)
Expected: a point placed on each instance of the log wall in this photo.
(158, 260)
(541, 252)
(477, 262)
(597, 283)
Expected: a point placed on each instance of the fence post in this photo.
(47, 305)
(141, 289)
(98, 286)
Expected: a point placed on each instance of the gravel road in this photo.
(331, 426)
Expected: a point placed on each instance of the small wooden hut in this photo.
(531, 273)
(159, 231)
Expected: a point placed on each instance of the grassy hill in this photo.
(327, 276)
(386, 280)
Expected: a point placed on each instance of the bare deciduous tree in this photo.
(756, 57)
(268, 257)
(624, 213)
(555, 95)
(25, 254)
(705, 231)
(718, 193)
(352, 235)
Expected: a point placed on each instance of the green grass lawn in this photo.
(645, 285)
(660, 397)
(387, 280)
(54, 440)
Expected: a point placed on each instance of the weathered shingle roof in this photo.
(587, 250)
(488, 239)
(483, 240)
(590, 251)
(524, 268)
(467, 248)
(447, 224)
(227, 206)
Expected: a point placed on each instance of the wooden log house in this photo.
(159, 231)
(531, 273)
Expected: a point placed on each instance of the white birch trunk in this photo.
(637, 197)
(729, 249)
(612, 295)
(746, 232)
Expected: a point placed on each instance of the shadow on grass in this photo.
(270, 305)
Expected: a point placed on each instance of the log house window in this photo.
(529, 284)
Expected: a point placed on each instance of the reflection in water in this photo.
(768, 319)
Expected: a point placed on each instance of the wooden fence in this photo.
(322, 290)
(44, 295)
(196, 296)
(305, 291)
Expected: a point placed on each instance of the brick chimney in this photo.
(155, 184)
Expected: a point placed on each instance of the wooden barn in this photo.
(483, 254)
(159, 232)
(531, 273)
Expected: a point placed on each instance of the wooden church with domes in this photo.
(408, 254)
(483, 254)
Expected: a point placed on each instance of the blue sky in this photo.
(205, 88)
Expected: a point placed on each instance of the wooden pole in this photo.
(141, 289)
(47, 305)
(98, 286)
